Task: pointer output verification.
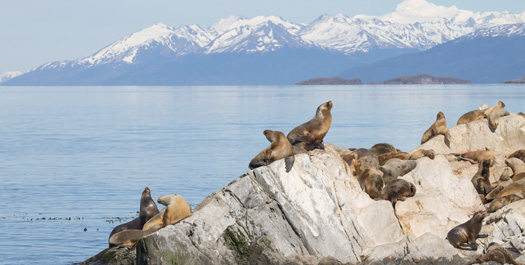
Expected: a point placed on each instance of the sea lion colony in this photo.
(378, 170)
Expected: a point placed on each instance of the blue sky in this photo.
(33, 32)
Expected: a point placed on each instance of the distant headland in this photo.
(422, 79)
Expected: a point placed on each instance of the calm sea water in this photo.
(73, 160)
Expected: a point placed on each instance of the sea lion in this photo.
(147, 210)
(500, 202)
(470, 116)
(382, 148)
(514, 187)
(480, 180)
(361, 159)
(422, 153)
(310, 134)
(521, 114)
(495, 252)
(383, 158)
(130, 237)
(504, 181)
(398, 190)
(520, 154)
(518, 167)
(396, 167)
(176, 209)
(279, 148)
(371, 181)
(437, 128)
(480, 155)
(464, 235)
(494, 113)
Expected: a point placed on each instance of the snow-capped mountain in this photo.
(414, 25)
(9, 75)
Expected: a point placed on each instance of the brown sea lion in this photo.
(129, 237)
(147, 210)
(521, 114)
(176, 209)
(310, 134)
(361, 159)
(422, 153)
(520, 154)
(480, 155)
(504, 181)
(518, 167)
(396, 167)
(470, 116)
(495, 252)
(464, 235)
(494, 113)
(500, 202)
(382, 148)
(437, 128)
(480, 180)
(514, 187)
(371, 181)
(398, 190)
(279, 148)
(383, 158)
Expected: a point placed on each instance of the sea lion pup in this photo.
(464, 235)
(480, 180)
(398, 190)
(518, 167)
(494, 113)
(437, 128)
(495, 252)
(361, 159)
(514, 187)
(382, 148)
(147, 210)
(396, 167)
(520, 154)
(500, 202)
(479, 155)
(310, 134)
(371, 181)
(470, 116)
(383, 158)
(279, 148)
(504, 181)
(422, 153)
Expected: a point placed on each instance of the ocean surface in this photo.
(75, 160)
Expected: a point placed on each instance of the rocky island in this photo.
(330, 81)
(318, 213)
(423, 79)
(515, 81)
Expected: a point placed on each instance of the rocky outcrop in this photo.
(330, 81)
(318, 213)
(515, 81)
(423, 80)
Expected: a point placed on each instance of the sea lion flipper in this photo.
(288, 162)
(258, 162)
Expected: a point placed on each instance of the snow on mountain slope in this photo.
(9, 75)
(259, 34)
(414, 24)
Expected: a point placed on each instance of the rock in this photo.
(330, 81)
(515, 81)
(318, 214)
(508, 137)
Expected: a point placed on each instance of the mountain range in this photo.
(268, 50)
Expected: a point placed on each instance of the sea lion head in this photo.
(501, 104)
(324, 108)
(440, 115)
(479, 216)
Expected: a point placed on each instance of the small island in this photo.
(330, 81)
(515, 81)
(422, 79)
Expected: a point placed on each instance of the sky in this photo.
(34, 32)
